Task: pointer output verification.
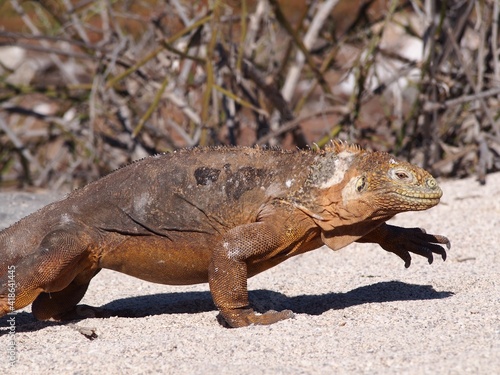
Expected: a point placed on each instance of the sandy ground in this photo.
(358, 311)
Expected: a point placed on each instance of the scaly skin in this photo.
(212, 215)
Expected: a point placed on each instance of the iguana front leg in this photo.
(228, 272)
(403, 241)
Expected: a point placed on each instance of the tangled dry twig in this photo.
(87, 88)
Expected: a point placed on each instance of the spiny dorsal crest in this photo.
(337, 146)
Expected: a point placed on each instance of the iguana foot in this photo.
(420, 243)
(83, 312)
(78, 312)
(404, 241)
(245, 317)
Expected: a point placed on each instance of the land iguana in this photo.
(216, 215)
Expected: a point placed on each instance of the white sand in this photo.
(358, 311)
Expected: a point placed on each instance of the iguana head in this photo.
(388, 186)
(353, 186)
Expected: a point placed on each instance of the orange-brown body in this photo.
(212, 215)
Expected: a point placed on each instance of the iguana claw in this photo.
(417, 241)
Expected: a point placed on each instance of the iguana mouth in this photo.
(420, 196)
(418, 201)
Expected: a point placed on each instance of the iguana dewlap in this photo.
(213, 215)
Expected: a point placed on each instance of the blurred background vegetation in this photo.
(87, 86)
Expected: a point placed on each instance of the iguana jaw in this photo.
(402, 201)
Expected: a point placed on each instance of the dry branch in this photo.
(104, 83)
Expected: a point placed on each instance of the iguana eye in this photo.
(401, 175)
(361, 184)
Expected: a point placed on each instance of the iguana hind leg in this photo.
(52, 269)
(62, 305)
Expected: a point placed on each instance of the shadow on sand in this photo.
(262, 300)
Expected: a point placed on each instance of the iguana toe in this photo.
(245, 317)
